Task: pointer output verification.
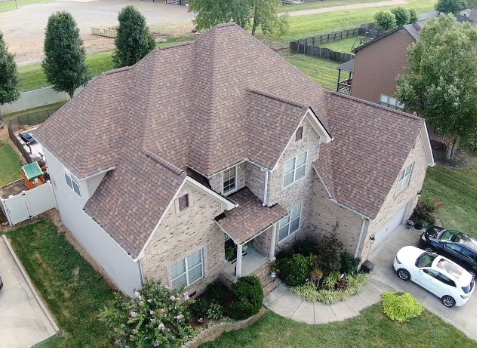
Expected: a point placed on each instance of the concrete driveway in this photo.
(384, 278)
(23, 322)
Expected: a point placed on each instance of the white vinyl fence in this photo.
(28, 204)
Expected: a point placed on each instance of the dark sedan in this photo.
(455, 245)
(27, 138)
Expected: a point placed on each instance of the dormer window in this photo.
(229, 179)
(299, 134)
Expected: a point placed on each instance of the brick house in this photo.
(157, 165)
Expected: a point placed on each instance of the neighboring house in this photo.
(468, 15)
(156, 165)
(377, 65)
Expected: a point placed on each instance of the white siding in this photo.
(107, 253)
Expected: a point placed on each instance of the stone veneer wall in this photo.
(216, 181)
(262, 242)
(327, 217)
(255, 179)
(300, 191)
(182, 233)
(395, 201)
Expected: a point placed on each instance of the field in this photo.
(10, 164)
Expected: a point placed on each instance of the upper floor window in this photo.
(290, 223)
(183, 202)
(405, 178)
(188, 270)
(73, 182)
(299, 134)
(294, 169)
(391, 102)
(229, 179)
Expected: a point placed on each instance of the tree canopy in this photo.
(385, 20)
(64, 62)
(401, 15)
(8, 75)
(450, 6)
(440, 79)
(133, 41)
(262, 14)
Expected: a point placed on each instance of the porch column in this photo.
(238, 267)
(271, 256)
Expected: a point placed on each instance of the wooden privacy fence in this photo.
(318, 52)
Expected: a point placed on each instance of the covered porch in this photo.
(251, 231)
(344, 85)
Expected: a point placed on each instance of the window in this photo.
(405, 178)
(445, 279)
(454, 247)
(183, 202)
(299, 134)
(229, 179)
(188, 270)
(290, 223)
(294, 169)
(391, 102)
(431, 273)
(73, 182)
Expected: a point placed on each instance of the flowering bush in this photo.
(156, 316)
(427, 211)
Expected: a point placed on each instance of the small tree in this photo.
(213, 12)
(450, 6)
(8, 75)
(133, 41)
(412, 16)
(385, 20)
(64, 62)
(440, 79)
(265, 14)
(401, 15)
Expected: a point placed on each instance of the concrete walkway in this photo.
(285, 303)
(346, 7)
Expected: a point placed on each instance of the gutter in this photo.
(265, 190)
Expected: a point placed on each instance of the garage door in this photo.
(388, 228)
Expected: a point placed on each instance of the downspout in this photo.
(141, 275)
(363, 228)
(265, 190)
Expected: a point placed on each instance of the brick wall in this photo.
(182, 233)
(255, 179)
(396, 201)
(262, 242)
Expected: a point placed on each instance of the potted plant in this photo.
(273, 270)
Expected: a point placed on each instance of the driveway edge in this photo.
(30, 285)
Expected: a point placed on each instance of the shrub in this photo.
(304, 247)
(348, 263)
(330, 281)
(155, 316)
(199, 307)
(218, 292)
(329, 251)
(427, 211)
(412, 16)
(401, 15)
(401, 306)
(385, 20)
(450, 6)
(248, 294)
(294, 270)
(215, 311)
(355, 284)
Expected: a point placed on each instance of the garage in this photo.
(389, 227)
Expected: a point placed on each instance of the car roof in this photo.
(465, 240)
(448, 268)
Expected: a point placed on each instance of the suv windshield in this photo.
(425, 260)
(451, 236)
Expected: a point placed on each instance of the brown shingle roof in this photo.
(371, 145)
(249, 218)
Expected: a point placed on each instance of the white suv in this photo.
(435, 273)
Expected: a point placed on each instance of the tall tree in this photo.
(401, 15)
(450, 6)
(64, 62)
(440, 79)
(413, 16)
(8, 75)
(213, 12)
(133, 40)
(262, 14)
(385, 20)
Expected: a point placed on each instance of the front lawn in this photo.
(344, 45)
(10, 164)
(9, 5)
(322, 4)
(371, 329)
(73, 291)
(458, 189)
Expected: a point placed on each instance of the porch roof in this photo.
(249, 218)
(348, 66)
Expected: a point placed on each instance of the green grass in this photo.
(323, 4)
(322, 71)
(344, 45)
(73, 291)
(10, 164)
(10, 5)
(371, 329)
(321, 23)
(458, 189)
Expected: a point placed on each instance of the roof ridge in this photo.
(162, 161)
(179, 44)
(271, 96)
(118, 70)
(362, 101)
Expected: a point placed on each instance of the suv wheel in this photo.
(403, 274)
(448, 301)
